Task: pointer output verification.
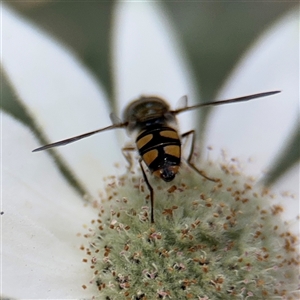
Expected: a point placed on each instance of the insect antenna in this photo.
(79, 137)
(233, 100)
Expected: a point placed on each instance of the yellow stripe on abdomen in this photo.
(173, 150)
(150, 156)
(169, 134)
(144, 141)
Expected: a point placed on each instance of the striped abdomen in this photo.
(160, 149)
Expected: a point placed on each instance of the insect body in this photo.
(158, 142)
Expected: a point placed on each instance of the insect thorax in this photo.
(148, 112)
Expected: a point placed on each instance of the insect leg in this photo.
(128, 157)
(150, 189)
(190, 157)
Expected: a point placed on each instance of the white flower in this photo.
(42, 212)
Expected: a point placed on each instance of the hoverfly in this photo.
(156, 137)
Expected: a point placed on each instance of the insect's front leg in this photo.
(127, 153)
(150, 188)
(190, 157)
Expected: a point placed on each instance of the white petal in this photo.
(258, 129)
(147, 58)
(42, 216)
(61, 95)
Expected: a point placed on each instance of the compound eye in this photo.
(167, 174)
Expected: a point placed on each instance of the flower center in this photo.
(210, 240)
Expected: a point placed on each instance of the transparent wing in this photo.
(115, 119)
(182, 102)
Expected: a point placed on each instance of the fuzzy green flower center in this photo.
(210, 240)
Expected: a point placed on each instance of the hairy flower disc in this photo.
(210, 240)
